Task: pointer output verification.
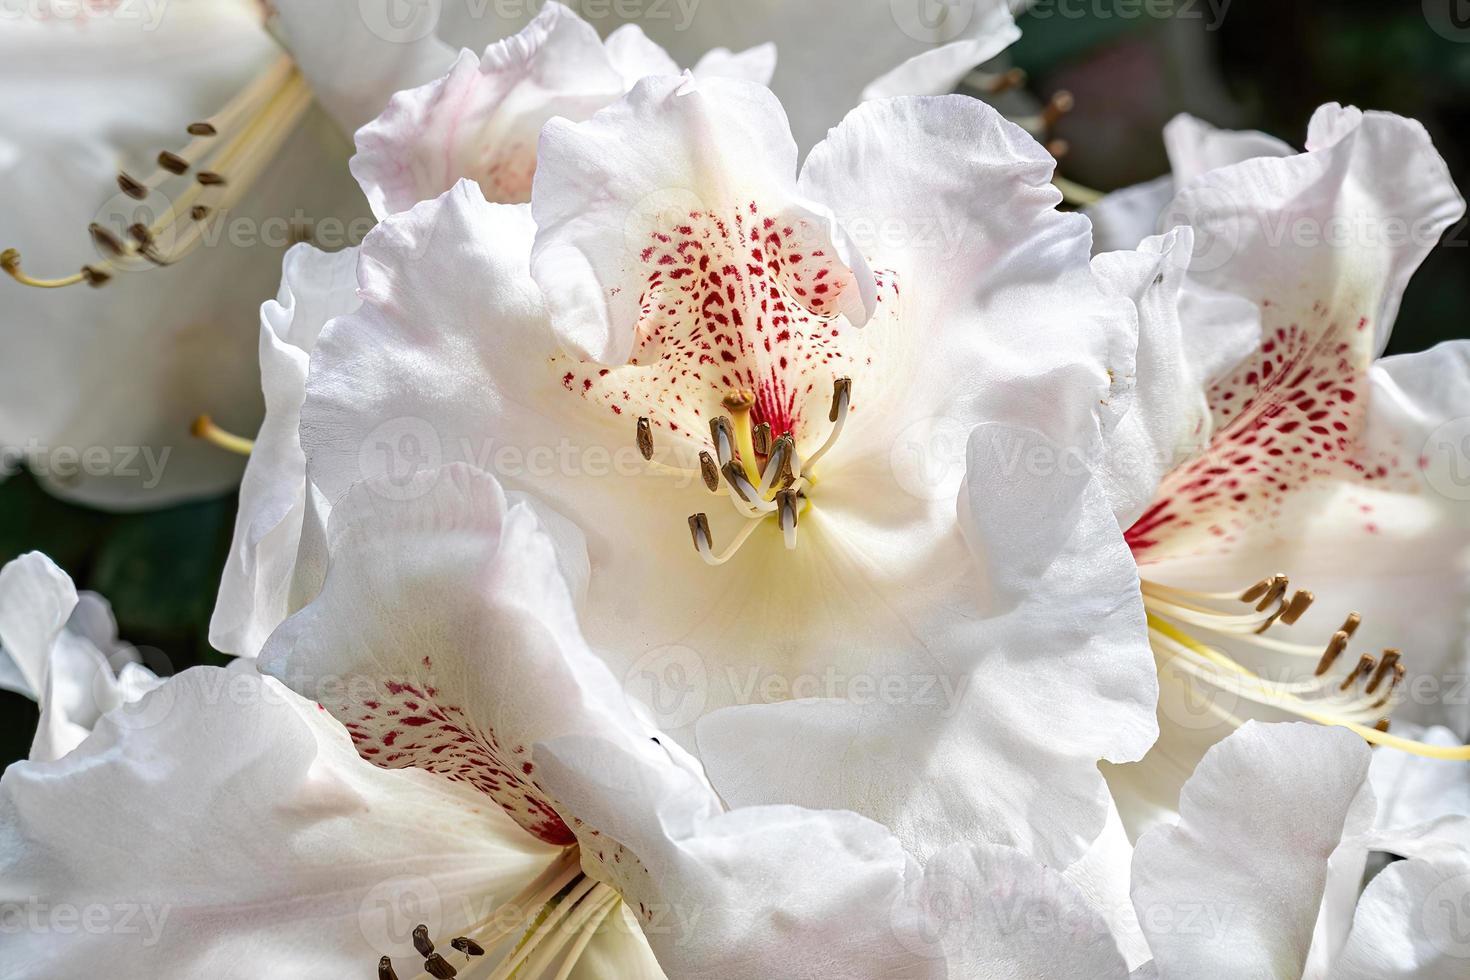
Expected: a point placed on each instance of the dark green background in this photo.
(1265, 65)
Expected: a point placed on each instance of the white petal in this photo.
(1195, 147)
(260, 584)
(998, 914)
(972, 741)
(936, 72)
(483, 118)
(444, 637)
(1412, 789)
(634, 56)
(357, 54)
(36, 600)
(1168, 418)
(754, 64)
(1410, 921)
(1125, 217)
(223, 821)
(1102, 875)
(998, 316)
(1235, 889)
(712, 153)
(1323, 243)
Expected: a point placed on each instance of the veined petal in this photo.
(1168, 418)
(483, 118)
(444, 638)
(986, 753)
(936, 72)
(301, 859)
(1252, 878)
(1324, 243)
(357, 53)
(709, 186)
(266, 577)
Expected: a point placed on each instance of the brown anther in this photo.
(699, 531)
(739, 401)
(106, 241)
(132, 188)
(209, 178)
(421, 940)
(710, 471)
(1363, 669)
(645, 438)
(140, 233)
(788, 504)
(1259, 589)
(1390, 658)
(760, 437)
(1381, 725)
(199, 212)
(786, 449)
(10, 260)
(1276, 593)
(1301, 601)
(721, 428)
(736, 477)
(94, 277)
(1393, 682)
(1335, 646)
(1058, 106)
(1006, 81)
(385, 969)
(202, 129)
(467, 946)
(438, 967)
(841, 392)
(173, 163)
(1350, 625)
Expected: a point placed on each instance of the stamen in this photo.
(1363, 669)
(704, 544)
(421, 940)
(742, 487)
(467, 946)
(1335, 646)
(761, 438)
(645, 438)
(131, 187)
(787, 502)
(260, 118)
(438, 968)
(841, 403)
(722, 434)
(709, 471)
(204, 428)
(1385, 666)
(385, 969)
(778, 462)
(1300, 602)
(173, 163)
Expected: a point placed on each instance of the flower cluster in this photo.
(672, 549)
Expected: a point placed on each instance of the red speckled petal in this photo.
(444, 638)
(613, 194)
(1324, 242)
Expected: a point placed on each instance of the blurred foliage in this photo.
(1249, 65)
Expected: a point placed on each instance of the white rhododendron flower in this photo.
(60, 648)
(1273, 889)
(749, 442)
(179, 153)
(1301, 545)
(482, 120)
(516, 812)
(172, 161)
